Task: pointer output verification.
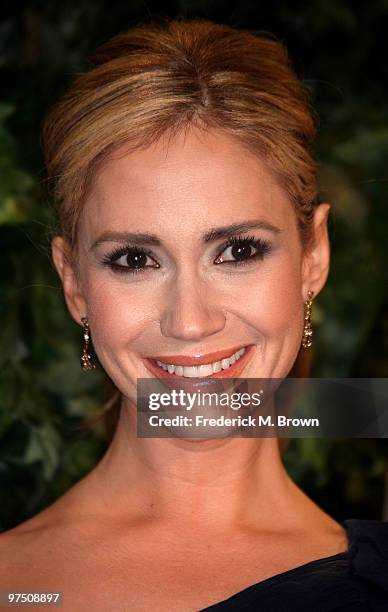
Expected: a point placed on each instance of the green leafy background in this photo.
(45, 398)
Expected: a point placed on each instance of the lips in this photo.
(187, 360)
(233, 370)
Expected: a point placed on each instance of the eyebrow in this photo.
(215, 233)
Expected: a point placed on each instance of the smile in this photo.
(206, 369)
(192, 367)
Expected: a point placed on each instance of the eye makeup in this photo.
(136, 257)
(236, 243)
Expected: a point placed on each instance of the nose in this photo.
(189, 313)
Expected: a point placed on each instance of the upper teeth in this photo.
(206, 369)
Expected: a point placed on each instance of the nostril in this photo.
(191, 323)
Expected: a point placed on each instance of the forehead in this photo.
(192, 181)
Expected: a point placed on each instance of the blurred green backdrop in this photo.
(341, 53)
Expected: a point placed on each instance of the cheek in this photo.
(274, 301)
(116, 313)
(268, 300)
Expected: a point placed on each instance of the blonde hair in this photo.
(161, 78)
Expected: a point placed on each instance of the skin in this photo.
(189, 495)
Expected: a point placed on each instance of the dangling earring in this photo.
(86, 360)
(307, 330)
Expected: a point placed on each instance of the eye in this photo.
(130, 260)
(243, 250)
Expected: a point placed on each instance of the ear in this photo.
(71, 284)
(316, 261)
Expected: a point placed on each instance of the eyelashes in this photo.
(139, 260)
(139, 256)
(238, 243)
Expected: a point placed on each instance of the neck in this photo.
(213, 484)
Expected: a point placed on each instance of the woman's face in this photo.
(186, 291)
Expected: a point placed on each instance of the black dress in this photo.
(351, 581)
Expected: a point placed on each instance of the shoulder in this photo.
(22, 547)
(17, 555)
(368, 548)
(368, 529)
(37, 549)
(370, 537)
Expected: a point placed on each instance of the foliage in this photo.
(44, 395)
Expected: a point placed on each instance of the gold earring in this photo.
(86, 360)
(307, 330)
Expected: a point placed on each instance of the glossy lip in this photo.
(233, 371)
(187, 360)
